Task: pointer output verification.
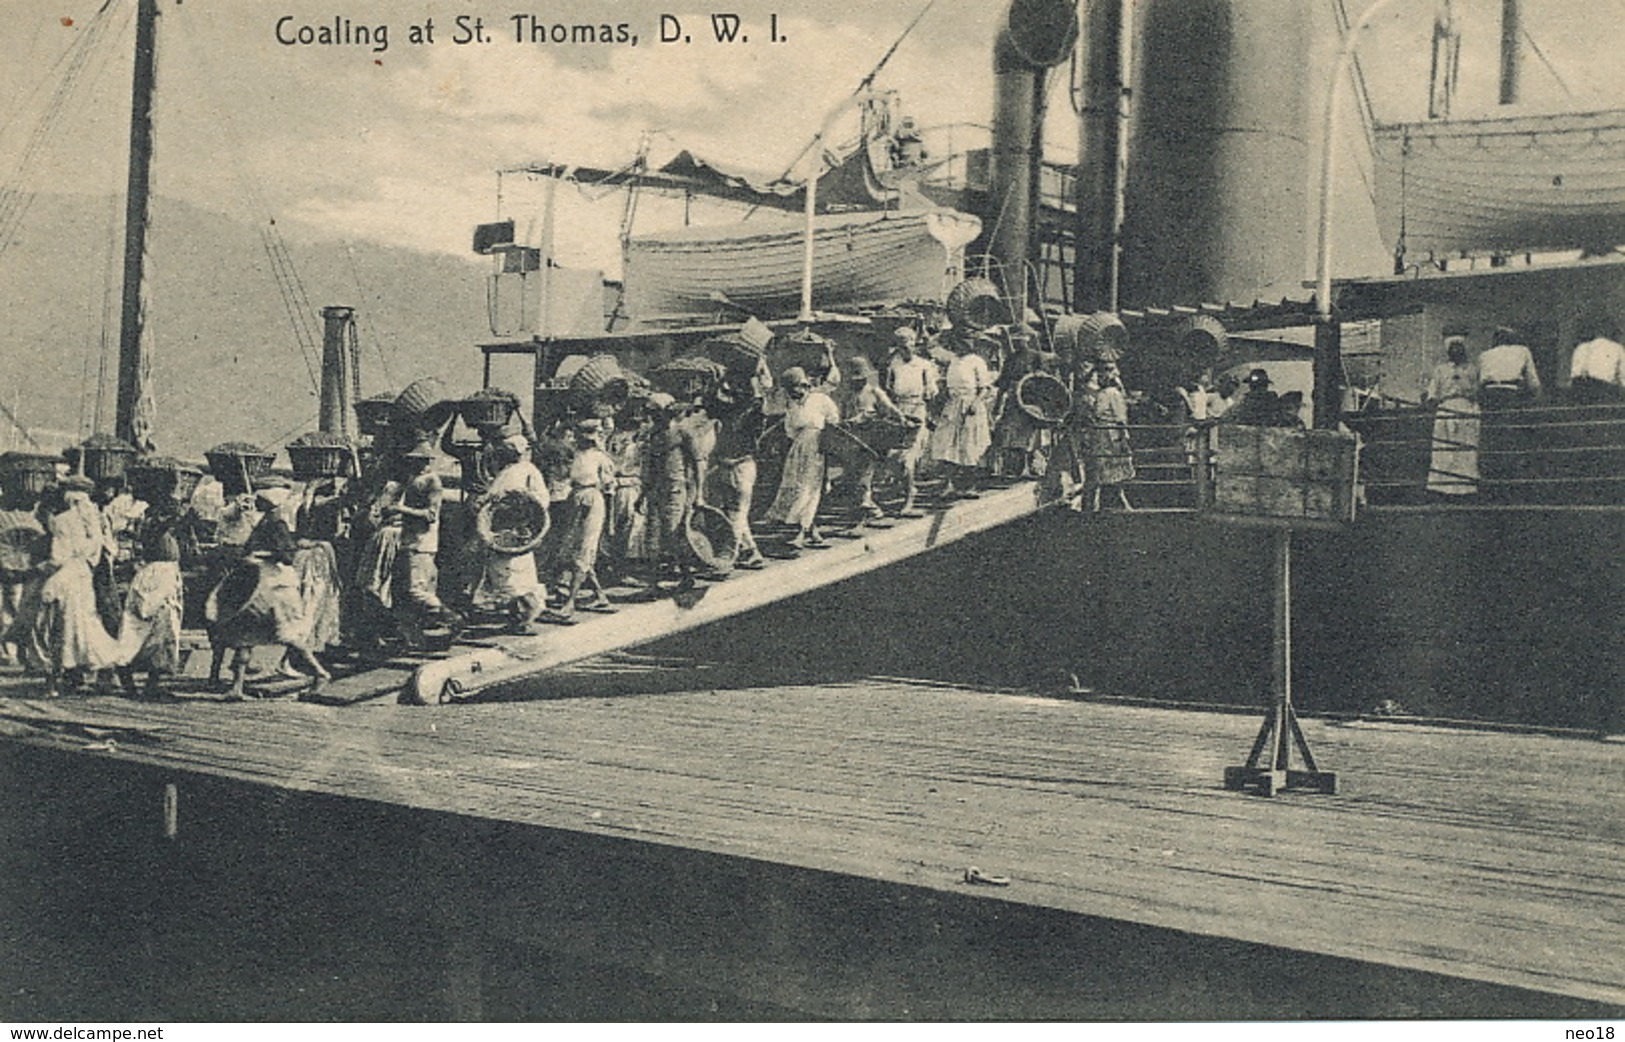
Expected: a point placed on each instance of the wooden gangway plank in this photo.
(509, 660)
(1484, 856)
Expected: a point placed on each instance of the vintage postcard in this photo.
(907, 511)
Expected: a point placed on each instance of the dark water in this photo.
(270, 905)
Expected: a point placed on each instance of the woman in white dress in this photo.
(58, 629)
(964, 432)
(802, 487)
(1453, 392)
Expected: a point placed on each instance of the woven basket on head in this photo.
(29, 473)
(101, 457)
(373, 415)
(975, 304)
(1099, 335)
(1043, 397)
(419, 397)
(1202, 339)
(315, 456)
(490, 408)
(596, 374)
(236, 464)
(686, 377)
(154, 479)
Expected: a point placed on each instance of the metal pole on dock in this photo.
(1281, 633)
(1280, 733)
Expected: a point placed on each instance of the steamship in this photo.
(950, 769)
(1189, 221)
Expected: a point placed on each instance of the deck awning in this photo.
(851, 184)
(1599, 278)
(1509, 185)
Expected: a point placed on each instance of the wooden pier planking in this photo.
(1449, 852)
(851, 552)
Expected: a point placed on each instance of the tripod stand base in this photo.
(1268, 781)
(1269, 770)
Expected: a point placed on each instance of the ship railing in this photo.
(1527, 455)
(1165, 466)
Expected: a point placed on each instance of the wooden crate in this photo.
(1285, 474)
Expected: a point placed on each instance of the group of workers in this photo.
(611, 489)
(62, 613)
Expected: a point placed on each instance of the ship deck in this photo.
(1477, 855)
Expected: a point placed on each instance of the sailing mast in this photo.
(134, 419)
(1511, 56)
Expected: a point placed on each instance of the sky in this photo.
(400, 145)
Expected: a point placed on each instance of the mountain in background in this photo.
(227, 363)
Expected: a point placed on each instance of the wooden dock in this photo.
(1475, 855)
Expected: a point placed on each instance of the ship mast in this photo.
(134, 420)
(1511, 51)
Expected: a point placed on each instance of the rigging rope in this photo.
(1561, 82)
(1362, 93)
(290, 303)
(22, 104)
(372, 327)
(863, 85)
(15, 201)
(18, 426)
(290, 288)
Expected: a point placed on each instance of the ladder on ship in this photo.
(473, 666)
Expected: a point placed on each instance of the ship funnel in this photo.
(1036, 35)
(340, 375)
(1218, 169)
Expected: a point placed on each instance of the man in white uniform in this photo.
(1506, 372)
(1597, 368)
